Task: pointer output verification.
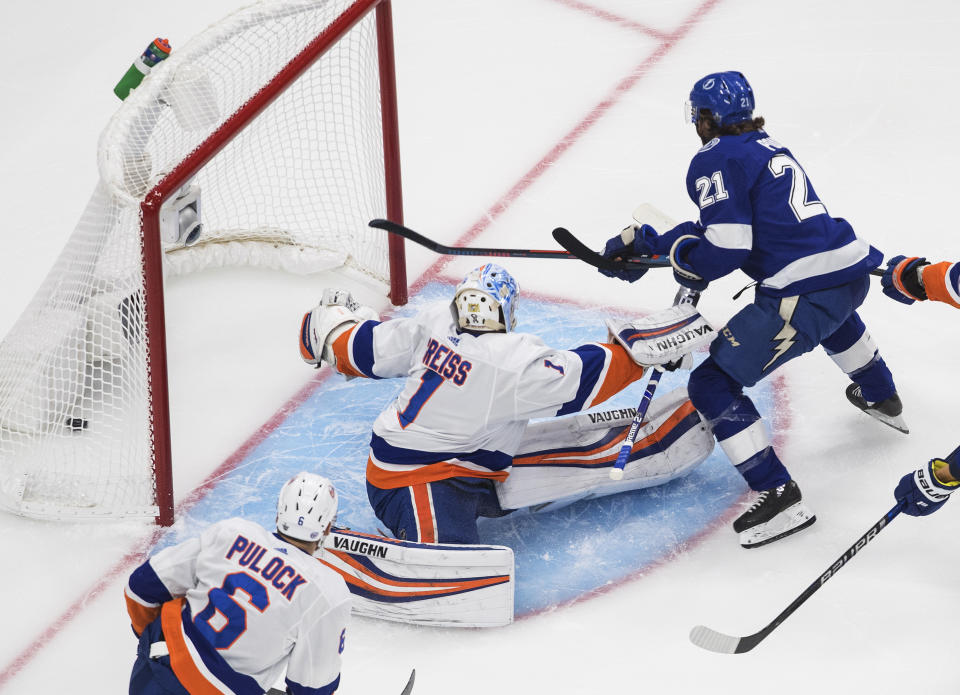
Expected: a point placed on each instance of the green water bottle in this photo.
(158, 50)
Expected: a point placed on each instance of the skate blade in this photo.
(786, 523)
(896, 422)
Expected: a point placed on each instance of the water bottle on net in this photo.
(157, 51)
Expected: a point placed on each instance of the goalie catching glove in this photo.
(337, 312)
(665, 338)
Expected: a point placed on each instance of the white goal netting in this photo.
(292, 190)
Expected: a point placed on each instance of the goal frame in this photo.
(167, 187)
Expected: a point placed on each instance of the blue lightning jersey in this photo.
(760, 213)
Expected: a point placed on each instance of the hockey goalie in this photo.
(458, 442)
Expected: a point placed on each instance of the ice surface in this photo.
(518, 117)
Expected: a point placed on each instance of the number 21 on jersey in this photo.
(711, 189)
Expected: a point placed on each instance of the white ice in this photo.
(519, 116)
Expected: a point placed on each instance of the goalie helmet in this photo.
(306, 507)
(486, 300)
(726, 95)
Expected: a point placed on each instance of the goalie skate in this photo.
(889, 411)
(775, 514)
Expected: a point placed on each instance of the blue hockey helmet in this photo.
(486, 300)
(726, 95)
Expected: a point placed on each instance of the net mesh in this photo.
(293, 190)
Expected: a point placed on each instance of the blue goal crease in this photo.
(590, 544)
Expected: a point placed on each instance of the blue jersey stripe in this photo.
(145, 583)
(362, 353)
(594, 359)
(386, 452)
(297, 689)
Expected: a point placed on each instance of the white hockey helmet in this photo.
(486, 300)
(306, 507)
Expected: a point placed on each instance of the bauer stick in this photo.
(718, 642)
(684, 296)
(437, 247)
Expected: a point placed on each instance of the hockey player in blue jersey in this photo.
(760, 214)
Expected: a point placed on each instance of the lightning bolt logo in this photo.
(786, 334)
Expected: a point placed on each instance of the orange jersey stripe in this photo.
(390, 480)
(621, 372)
(341, 352)
(935, 283)
(180, 659)
(555, 458)
(140, 615)
(423, 508)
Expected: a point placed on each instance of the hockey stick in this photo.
(408, 688)
(567, 240)
(436, 247)
(684, 296)
(718, 642)
(616, 473)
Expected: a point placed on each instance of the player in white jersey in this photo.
(239, 607)
(441, 449)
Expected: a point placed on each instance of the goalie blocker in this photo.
(664, 337)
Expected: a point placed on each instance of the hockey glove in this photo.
(922, 492)
(635, 240)
(682, 271)
(336, 313)
(902, 279)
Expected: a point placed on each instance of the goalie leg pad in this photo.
(423, 583)
(564, 460)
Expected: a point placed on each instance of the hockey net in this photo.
(278, 127)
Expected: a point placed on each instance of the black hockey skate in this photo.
(776, 513)
(889, 412)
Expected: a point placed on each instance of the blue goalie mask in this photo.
(486, 300)
(726, 95)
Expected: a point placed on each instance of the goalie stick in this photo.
(718, 642)
(436, 247)
(577, 248)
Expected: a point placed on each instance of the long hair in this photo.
(734, 128)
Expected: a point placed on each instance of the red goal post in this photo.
(288, 170)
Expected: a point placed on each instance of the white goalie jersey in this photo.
(468, 398)
(240, 607)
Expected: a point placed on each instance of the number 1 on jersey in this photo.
(429, 382)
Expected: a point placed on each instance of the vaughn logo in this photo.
(356, 546)
(676, 339)
(608, 415)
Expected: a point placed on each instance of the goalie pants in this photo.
(443, 511)
(764, 335)
(153, 675)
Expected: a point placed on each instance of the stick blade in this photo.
(408, 688)
(714, 641)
